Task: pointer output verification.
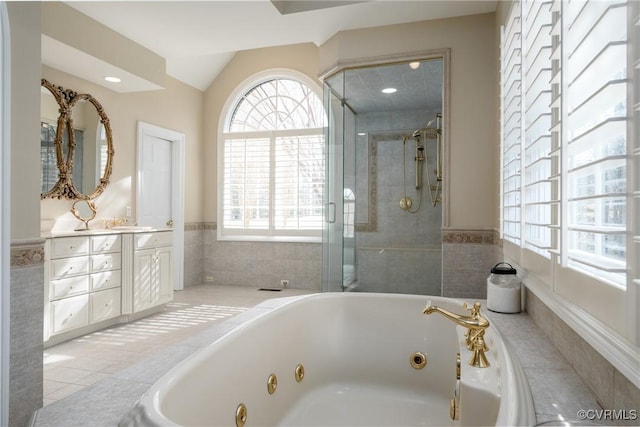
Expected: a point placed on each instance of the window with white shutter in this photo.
(511, 123)
(570, 179)
(595, 95)
(272, 166)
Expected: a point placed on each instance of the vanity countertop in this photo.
(121, 229)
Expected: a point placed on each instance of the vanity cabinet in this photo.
(82, 281)
(97, 280)
(152, 270)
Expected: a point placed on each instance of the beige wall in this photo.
(302, 58)
(474, 115)
(178, 107)
(24, 20)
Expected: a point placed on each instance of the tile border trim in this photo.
(27, 253)
(471, 237)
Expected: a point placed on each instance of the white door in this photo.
(154, 206)
(160, 187)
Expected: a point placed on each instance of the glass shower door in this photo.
(332, 243)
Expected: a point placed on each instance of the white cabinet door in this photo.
(152, 277)
(165, 268)
(145, 291)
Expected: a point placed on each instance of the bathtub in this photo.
(341, 359)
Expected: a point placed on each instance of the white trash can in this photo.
(503, 289)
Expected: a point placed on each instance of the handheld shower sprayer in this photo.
(421, 137)
(419, 159)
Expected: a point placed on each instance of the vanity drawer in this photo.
(105, 262)
(69, 313)
(69, 267)
(63, 247)
(105, 305)
(153, 240)
(105, 244)
(63, 288)
(106, 280)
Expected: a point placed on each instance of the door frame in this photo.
(5, 211)
(177, 140)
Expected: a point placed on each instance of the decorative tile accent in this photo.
(197, 226)
(471, 237)
(27, 254)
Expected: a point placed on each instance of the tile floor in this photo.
(73, 365)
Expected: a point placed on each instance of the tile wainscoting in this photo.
(208, 260)
(610, 387)
(26, 320)
(467, 259)
(468, 256)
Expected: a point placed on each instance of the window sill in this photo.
(268, 239)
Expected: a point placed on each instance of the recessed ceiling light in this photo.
(389, 90)
(414, 65)
(112, 79)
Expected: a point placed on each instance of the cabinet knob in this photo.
(71, 247)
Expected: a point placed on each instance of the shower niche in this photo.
(385, 190)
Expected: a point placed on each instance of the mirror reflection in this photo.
(75, 144)
(91, 151)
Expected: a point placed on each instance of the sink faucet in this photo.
(476, 325)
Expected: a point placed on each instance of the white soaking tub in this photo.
(355, 350)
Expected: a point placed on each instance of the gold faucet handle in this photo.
(473, 309)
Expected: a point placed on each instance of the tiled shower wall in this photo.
(25, 364)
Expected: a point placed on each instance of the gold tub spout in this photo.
(476, 325)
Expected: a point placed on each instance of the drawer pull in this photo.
(106, 305)
(72, 247)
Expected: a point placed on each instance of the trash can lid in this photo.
(503, 269)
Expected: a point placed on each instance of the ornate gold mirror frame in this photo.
(63, 114)
(65, 187)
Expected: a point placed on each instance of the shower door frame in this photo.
(425, 55)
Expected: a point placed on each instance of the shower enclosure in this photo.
(383, 192)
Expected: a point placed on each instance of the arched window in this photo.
(272, 162)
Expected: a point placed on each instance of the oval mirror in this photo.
(54, 140)
(91, 156)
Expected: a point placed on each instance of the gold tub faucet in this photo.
(476, 325)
